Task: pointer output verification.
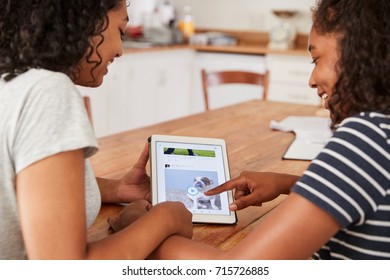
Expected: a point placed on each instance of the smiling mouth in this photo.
(324, 96)
(109, 63)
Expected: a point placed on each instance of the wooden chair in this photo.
(88, 108)
(216, 78)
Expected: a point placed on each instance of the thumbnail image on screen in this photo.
(189, 152)
(188, 187)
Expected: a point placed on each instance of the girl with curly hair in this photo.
(340, 207)
(48, 192)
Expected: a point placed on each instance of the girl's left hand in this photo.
(135, 184)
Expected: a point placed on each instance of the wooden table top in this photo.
(251, 145)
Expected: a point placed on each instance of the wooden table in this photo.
(251, 145)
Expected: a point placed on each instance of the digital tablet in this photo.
(183, 168)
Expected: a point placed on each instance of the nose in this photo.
(118, 48)
(120, 52)
(312, 82)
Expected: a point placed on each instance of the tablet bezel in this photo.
(196, 218)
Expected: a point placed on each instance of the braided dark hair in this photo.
(49, 34)
(363, 29)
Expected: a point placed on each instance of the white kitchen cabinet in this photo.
(142, 89)
(167, 74)
(225, 94)
(289, 79)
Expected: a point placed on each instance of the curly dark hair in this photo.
(49, 34)
(363, 29)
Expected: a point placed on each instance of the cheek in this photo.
(325, 77)
(330, 79)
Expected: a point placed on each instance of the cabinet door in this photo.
(174, 84)
(160, 85)
(225, 94)
(289, 79)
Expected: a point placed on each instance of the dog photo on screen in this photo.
(188, 187)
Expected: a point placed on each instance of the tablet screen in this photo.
(184, 169)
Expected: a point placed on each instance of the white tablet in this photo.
(183, 168)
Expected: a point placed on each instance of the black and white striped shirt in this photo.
(350, 179)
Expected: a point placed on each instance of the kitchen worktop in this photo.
(248, 43)
(239, 49)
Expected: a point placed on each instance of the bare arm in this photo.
(294, 230)
(51, 203)
(137, 241)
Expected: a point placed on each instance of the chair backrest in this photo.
(88, 108)
(216, 78)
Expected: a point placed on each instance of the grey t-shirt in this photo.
(41, 114)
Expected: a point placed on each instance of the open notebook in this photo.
(311, 135)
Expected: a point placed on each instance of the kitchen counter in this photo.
(248, 43)
(128, 50)
(239, 49)
(250, 49)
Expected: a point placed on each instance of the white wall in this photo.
(253, 15)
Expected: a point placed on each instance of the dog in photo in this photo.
(200, 185)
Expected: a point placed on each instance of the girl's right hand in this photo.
(254, 188)
(129, 214)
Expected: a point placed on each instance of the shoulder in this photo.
(362, 137)
(44, 88)
(367, 131)
(44, 74)
(42, 80)
(49, 116)
(373, 123)
(43, 77)
(38, 86)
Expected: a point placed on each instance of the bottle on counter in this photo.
(186, 24)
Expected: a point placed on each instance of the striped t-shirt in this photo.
(350, 179)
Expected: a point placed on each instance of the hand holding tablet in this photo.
(183, 168)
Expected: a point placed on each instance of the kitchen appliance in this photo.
(283, 35)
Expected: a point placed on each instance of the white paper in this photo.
(302, 123)
(311, 135)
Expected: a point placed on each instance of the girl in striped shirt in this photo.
(340, 207)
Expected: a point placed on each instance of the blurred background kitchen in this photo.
(248, 15)
(168, 42)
